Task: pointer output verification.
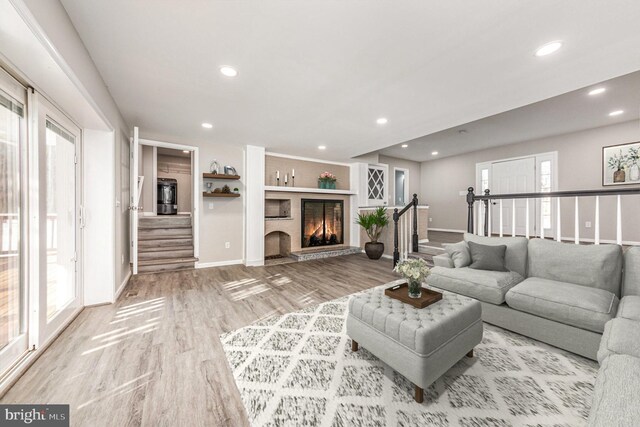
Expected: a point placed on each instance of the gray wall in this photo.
(579, 168)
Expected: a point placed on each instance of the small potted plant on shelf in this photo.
(617, 164)
(373, 224)
(415, 271)
(327, 180)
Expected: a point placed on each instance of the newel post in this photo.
(414, 236)
(470, 200)
(486, 214)
(396, 253)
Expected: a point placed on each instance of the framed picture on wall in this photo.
(621, 164)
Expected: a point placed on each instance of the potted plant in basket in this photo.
(617, 164)
(373, 223)
(327, 180)
(415, 271)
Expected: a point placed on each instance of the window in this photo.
(484, 179)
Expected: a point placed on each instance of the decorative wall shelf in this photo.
(220, 176)
(205, 194)
(307, 190)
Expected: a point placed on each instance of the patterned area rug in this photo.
(298, 370)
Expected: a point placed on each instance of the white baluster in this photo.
(541, 221)
(513, 218)
(619, 222)
(577, 223)
(526, 232)
(500, 207)
(490, 219)
(406, 237)
(480, 229)
(402, 237)
(597, 221)
(558, 220)
(410, 236)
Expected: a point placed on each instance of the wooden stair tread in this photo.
(144, 226)
(166, 237)
(186, 246)
(147, 262)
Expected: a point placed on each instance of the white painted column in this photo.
(254, 206)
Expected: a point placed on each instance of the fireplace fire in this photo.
(322, 222)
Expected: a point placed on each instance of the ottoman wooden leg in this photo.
(419, 394)
(470, 354)
(354, 345)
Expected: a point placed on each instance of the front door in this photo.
(510, 177)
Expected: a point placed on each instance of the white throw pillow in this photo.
(459, 253)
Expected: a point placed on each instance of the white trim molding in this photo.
(306, 159)
(200, 265)
(122, 286)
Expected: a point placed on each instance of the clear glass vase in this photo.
(415, 289)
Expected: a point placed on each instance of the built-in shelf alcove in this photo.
(277, 208)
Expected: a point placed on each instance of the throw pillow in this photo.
(459, 253)
(486, 257)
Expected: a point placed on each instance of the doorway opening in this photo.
(164, 206)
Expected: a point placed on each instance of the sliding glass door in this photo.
(59, 151)
(13, 325)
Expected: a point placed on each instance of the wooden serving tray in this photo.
(402, 293)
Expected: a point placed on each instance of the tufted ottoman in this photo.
(421, 344)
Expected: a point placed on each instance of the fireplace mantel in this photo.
(307, 190)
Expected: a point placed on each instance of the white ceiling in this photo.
(320, 73)
(570, 112)
(21, 50)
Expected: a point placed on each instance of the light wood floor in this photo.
(154, 357)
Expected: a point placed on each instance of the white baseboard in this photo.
(256, 263)
(122, 286)
(446, 230)
(219, 263)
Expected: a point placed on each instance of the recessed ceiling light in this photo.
(322, 147)
(434, 153)
(548, 48)
(404, 145)
(185, 151)
(382, 121)
(228, 71)
(207, 125)
(616, 113)
(597, 91)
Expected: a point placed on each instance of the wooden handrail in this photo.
(414, 234)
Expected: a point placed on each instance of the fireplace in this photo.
(322, 222)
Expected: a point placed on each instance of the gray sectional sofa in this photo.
(582, 298)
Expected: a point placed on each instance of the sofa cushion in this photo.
(515, 258)
(575, 305)
(631, 284)
(629, 308)
(459, 253)
(487, 257)
(616, 395)
(443, 260)
(595, 266)
(483, 285)
(621, 336)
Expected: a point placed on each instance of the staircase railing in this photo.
(487, 198)
(400, 242)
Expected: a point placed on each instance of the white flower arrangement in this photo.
(414, 270)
